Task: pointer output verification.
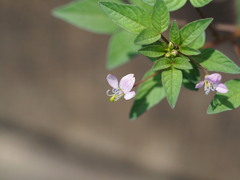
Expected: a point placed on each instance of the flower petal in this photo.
(112, 81)
(127, 83)
(129, 95)
(200, 84)
(214, 78)
(222, 88)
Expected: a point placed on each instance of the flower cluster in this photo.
(122, 89)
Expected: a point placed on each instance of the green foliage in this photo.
(147, 36)
(181, 63)
(162, 63)
(149, 93)
(172, 5)
(189, 51)
(228, 101)
(175, 34)
(131, 18)
(160, 16)
(121, 49)
(172, 80)
(141, 4)
(191, 77)
(87, 15)
(214, 60)
(200, 3)
(144, 22)
(193, 30)
(152, 51)
(199, 42)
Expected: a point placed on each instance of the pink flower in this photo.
(213, 83)
(123, 88)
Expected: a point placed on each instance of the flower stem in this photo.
(142, 81)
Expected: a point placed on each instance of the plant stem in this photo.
(142, 81)
(165, 39)
(195, 62)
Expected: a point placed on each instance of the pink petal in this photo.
(215, 78)
(222, 88)
(200, 84)
(127, 83)
(112, 81)
(129, 95)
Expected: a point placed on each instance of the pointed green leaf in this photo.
(175, 4)
(172, 5)
(214, 60)
(148, 95)
(160, 16)
(152, 51)
(131, 18)
(172, 80)
(162, 63)
(200, 3)
(188, 51)
(181, 63)
(193, 30)
(191, 77)
(121, 49)
(87, 15)
(175, 34)
(141, 4)
(147, 36)
(228, 101)
(199, 42)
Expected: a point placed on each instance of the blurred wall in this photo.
(56, 122)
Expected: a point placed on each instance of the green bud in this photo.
(170, 45)
(167, 54)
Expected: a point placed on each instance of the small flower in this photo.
(122, 89)
(212, 82)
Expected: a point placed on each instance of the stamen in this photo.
(108, 93)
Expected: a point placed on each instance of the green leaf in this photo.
(148, 95)
(160, 16)
(121, 49)
(172, 5)
(193, 30)
(200, 3)
(228, 101)
(199, 42)
(175, 34)
(152, 51)
(191, 77)
(181, 63)
(141, 4)
(214, 60)
(188, 51)
(147, 36)
(162, 63)
(87, 15)
(131, 18)
(172, 80)
(175, 4)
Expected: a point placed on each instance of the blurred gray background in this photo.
(56, 123)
